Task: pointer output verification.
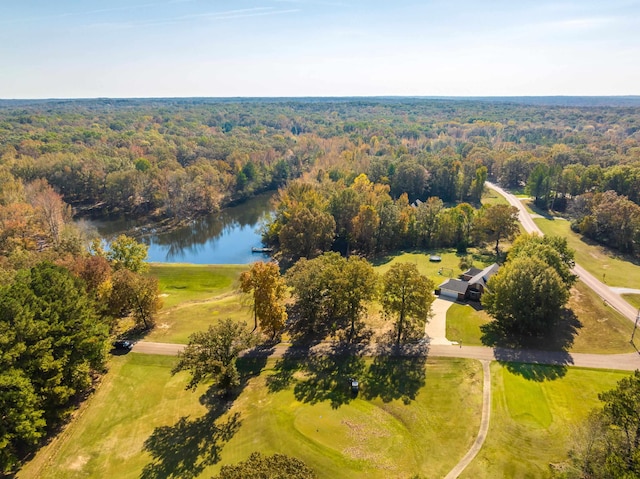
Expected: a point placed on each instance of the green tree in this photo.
(126, 252)
(526, 296)
(22, 424)
(135, 294)
(306, 234)
(277, 466)
(267, 289)
(498, 222)
(407, 295)
(212, 354)
(553, 250)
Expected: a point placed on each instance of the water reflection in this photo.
(223, 238)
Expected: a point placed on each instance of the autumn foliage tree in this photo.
(266, 288)
(407, 297)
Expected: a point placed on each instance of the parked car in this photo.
(123, 344)
(355, 385)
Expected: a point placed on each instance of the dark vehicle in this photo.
(355, 385)
(123, 345)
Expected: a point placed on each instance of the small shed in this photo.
(454, 289)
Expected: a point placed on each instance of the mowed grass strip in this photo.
(361, 438)
(531, 421)
(604, 264)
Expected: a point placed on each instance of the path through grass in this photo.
(531, 421)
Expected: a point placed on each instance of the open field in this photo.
(182, 283)
(491, 197)
(598, 260)
(195, 296)
(375, 435)
(531, 420)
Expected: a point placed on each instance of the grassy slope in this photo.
(596, 259)
(531, 421)
(369, 438)
(194, 297)
(137, 395)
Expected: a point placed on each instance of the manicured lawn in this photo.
(463, 324)
(632, 299)
(491, 197)
(531, 421)
(596, 259)
(448, 266)
(194, 297)
(180, 283)
(375, 435)
(176, 324)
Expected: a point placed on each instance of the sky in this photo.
(222, 48)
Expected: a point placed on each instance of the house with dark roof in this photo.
(472, 284)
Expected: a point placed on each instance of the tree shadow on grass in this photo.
(536, 358)
(396, 373)
(327, 375)
(185, 449)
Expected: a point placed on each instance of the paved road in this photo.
(626, 362)
(610, 297)
(484, 425)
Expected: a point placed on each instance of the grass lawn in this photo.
(603, 330)
(492, 197)
(180, 283)
(463, 323)
(598, 260)
(448, 265)
(377, 437)
(106, 438)
(632, 299)
(531, 421)
(194, 297)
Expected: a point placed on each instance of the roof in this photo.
(455, 285)
(472, 271)
(483, 276)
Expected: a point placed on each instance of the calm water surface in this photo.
(223, 238)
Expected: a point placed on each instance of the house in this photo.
(471, 286)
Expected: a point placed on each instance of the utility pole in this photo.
(635, 326)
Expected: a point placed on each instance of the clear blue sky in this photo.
(142, 48)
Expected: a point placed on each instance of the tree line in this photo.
(363, 217)
(59, 306)
(172, 158)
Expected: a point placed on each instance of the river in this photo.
(222, 238)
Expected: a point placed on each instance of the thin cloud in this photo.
(212, 16)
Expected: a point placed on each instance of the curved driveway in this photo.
(602, 290)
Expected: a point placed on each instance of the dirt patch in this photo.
(79, 463)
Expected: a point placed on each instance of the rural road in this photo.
(626, 362)
(607, 294)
